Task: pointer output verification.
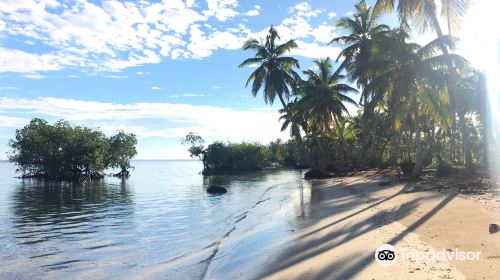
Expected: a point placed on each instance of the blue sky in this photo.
(159, 69)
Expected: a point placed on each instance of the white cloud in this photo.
(331, 15)
(314, 50)
(312, 40)
(304, 9)
(155, 88)
(22, 62)
(113, 35)
(166, 119)
(221, 9)
(34, 76)
(254, 12)
(193, 95)
(8, 88)
(6, 121)
(116, 77)
(324, 33)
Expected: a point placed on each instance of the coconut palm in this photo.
(274, 70)
(293, 119)
(324, 98)
(424, 14)
(415, 76)
(362, 30)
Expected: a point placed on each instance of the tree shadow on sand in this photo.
(307, 247)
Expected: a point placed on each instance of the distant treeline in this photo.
(65, 152)
(223, 158)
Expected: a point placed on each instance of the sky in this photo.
(162, 69)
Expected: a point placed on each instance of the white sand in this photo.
(351, 219)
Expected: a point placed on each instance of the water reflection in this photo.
(51, 220)
(41, 204)
(161, 220)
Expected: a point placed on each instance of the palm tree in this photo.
(324, 98)
(363, 29)
(424, 15)
(275, 71)
(293, 117)
(414, 76)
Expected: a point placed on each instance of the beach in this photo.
(352, 216)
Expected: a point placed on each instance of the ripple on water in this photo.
(156, 223)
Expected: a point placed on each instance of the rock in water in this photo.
(317, 174)
(494, 228)
(216, 190)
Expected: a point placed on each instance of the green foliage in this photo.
(195, 143)
(122, 147)
(236, 156)
(219, 157)
(275, 71)
(64, 152)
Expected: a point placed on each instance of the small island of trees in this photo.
(226, 158)
(71, 153)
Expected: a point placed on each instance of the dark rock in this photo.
(317, 174)
(494, 228)
(216, 190)
(383, 184)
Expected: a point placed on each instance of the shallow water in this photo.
(160, 223)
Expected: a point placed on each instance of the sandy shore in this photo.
(353, 217)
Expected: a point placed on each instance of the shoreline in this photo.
(353, 217)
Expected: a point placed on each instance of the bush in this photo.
(63, 152)
(443, 168)
(235, 157)
(219, 157)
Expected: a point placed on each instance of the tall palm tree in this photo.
(424, 14)
(362, 27)
(362, 30)
(275, 71)
(324, 98)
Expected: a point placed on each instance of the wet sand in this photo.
(353, 217)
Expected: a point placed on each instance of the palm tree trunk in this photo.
(364, 118)
(342, 139)
(453, 138)
(431, 141)
(373, 138)
(395, 148)
(418, 145)
(452, 90)
(467, 145)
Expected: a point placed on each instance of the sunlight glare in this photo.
(480, 44)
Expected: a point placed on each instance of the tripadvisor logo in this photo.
(385, 255)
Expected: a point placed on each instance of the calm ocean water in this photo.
(159, 224)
